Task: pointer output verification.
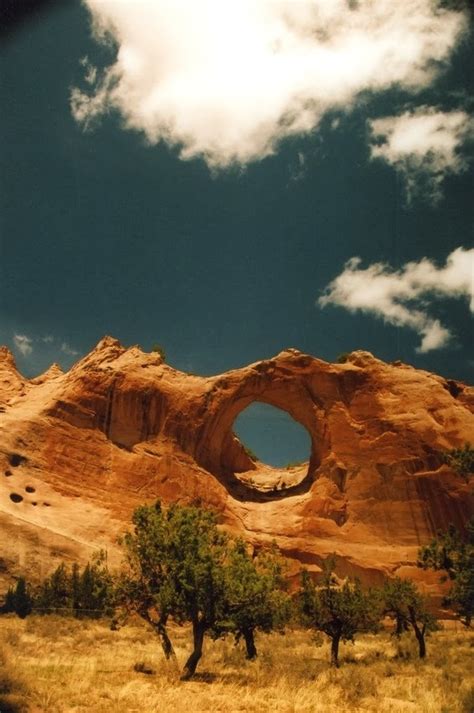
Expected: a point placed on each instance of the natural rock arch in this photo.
(221, 453)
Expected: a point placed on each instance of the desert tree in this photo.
(339, 611)
(18, 599)
(453, 553)
(176, 558)
(254, 595)
(403, 602)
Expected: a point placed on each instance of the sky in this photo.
(232, 178)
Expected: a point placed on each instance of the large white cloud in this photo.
(402, 297)
(228, 79)
(424, 146)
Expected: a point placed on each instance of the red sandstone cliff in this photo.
(78, 451)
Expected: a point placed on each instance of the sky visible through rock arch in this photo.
(230, 179)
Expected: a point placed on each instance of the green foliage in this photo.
(254, 595)
(340, 612)
(180, 565)
(403, 602)
(461, 460)
(175, 560)
(18, 599)
(160, 350)
(453, 553)
(88, 593)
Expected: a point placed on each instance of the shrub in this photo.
(338, 611)
(159, 350)
(453, 553)
(461, 460)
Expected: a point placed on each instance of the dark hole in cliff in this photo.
(47, 505)
(15, 459)
(16, 498)
(30, 489)
(34, 503)
(453, 388)
(8, 473)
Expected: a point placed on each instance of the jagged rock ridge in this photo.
(79, 450)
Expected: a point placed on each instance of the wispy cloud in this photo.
(227, 81)
(23, 344)
(66, 349)
(424, 146)
(26, 344)
(402, 297)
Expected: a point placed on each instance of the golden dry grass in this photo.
(61, 665)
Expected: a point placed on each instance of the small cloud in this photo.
(66, 349)
(23, 344)
(402, 297)
(424, 147)
(297, 171)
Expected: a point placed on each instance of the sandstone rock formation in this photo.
(79, 450)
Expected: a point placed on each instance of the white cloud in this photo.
(66, 349)
(228, 79)
(424, 146)
(402, 297)
(23, 344)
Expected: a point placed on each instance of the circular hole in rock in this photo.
(16, 498)
(278, 445)
(30, 489)
(34, 503)
(16, 459)
(8, 473)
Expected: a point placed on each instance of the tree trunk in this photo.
(420, 637)
(250, 644)
(400, 626)
(160, 628)
(419, 633)
(198, 640)
(335, 651)
(167, 646)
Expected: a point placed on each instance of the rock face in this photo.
(78, 451)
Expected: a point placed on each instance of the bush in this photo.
(75, 592)
(461, 460)
(159, 350)
(18, 599)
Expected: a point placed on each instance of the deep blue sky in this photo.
(104, 234)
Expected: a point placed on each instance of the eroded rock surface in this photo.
(83, 448)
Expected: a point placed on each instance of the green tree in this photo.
(160, 350)
(338, 611)
(175, 559)
(461, 460)
(95, 589)
(406, 606)
(18, 599)
(54, 593)
(254, 595)
(453, 553)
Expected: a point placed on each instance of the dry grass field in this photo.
(58, 665)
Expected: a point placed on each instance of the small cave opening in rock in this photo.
(15, 459)
(30, 489)
(279, 446)
(16, 498)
